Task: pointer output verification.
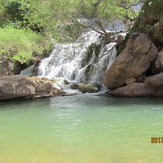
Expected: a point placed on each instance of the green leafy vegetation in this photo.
(26, 25)
(100, 12)
(150, 16)
(21, 44)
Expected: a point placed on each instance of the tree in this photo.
(48, 13)
(73, 11)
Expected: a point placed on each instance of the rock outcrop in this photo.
(158, 65)
(132, 90)
(16, 87)
(8, 67)
(153, 86)
(138, 69)
(150, 22)
(13, 89)
(133, 61)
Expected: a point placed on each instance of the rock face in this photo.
(14, 87)
(132, 90)
(153, 86)
(134, 60)
(8, 67)
(156, 84)
(158, 66)
(150, 21)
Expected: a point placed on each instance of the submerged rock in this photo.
(134, 60)
(15, 87)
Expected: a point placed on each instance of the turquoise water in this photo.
(81, 129)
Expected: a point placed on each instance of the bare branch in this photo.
(125, 16)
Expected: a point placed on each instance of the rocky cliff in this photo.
(137, 71)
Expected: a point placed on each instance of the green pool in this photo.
(81, 129)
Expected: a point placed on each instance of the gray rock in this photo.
(158, 65)
(12, 89)
(153, 86)
(132, 90)
(89, 88)
(74, 86)
(134, 60)
(9, 67)
(15, 87)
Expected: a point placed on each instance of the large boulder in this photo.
(158, 65)
(156, 84)
(10, 89)
(133, 61)
(17, 78)
(153, 86)
(132, 90)
(16, 87)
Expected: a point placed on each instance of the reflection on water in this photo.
(81, 129)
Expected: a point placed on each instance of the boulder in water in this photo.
(153, 86)
(74, 86)
(89, 87)
(16, 87)
(132, 90)
(134, 60)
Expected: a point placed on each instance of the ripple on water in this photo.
(81, 129)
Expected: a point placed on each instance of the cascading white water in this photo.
(77, 61)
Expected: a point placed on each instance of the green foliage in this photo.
(150, 7)
(42, 16)
(21, 44)
(14, 11)
(67, 32)
(49, 13)
(150, 17)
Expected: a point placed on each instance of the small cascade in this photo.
(86, 60)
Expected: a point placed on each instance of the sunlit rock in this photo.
(133, 61)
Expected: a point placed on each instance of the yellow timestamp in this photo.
(156, 139)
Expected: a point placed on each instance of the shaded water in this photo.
(81, 129)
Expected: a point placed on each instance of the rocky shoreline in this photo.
(134, 73)
(137, 71)
(20, 87)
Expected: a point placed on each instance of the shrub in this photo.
(21, 44)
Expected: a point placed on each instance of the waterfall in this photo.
(85, 60)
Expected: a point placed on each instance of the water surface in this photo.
(81, 129)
